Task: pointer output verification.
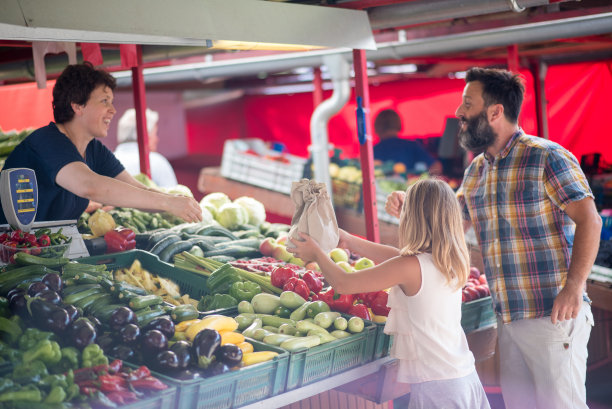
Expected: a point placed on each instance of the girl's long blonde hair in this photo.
(431, 222)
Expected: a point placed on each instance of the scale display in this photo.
(19, 196)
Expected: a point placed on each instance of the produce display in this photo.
(9, 140)
(41, 242)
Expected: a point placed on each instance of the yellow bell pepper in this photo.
(101, 223)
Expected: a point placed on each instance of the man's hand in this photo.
(567, 303)
(394, 203)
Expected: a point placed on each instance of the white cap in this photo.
(126, 129)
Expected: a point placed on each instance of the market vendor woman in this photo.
(73, 167)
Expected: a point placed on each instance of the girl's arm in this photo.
(365, 248)
(77, 178)
(403, 271)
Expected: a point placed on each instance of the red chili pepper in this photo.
(139, 373)
(379, 304)
(122, 397)
(35, 249)
(88, 390)
(112, 383)
(149, 383)
(360, 310)
(11, 243)
(312, 281)
(115, 366)
(343, 302)
(44, 240)
(4, 237)
(280, 275)
(30, 240)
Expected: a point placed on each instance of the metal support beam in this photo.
(538, 70)
(370, 208)
(140, 105)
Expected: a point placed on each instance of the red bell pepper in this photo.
(120, 239)
(149, 383)
(298, 286)
(30, 240)
(379, 304)
(122, 397)
(44, 240)
(343, 302)
(19, 236)
(327, 296)
(281, 274)
(112, 383)
(4, 237)
(314, 283)
(139, 373)
(360, 310)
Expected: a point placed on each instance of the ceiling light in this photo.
(398, 69)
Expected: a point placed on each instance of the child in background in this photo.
(426, 275)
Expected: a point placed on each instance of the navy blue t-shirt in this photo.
(402, 150)
(47, 151)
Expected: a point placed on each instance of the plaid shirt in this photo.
(515, 202)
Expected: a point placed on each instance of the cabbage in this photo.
(231, 215)
(255, 209)
(207, 216)
(179, 190)
(216, 199)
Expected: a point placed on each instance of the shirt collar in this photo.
(504, 152)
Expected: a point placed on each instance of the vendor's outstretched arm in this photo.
(77, 178)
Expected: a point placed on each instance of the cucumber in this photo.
(174, 248)
(216, 231)
(184, 312)
(264, 303)
(143, 301)
(216, 239)
(163, 243)
(252, 243)
(298, 343)
(234, 251)
(156, 237)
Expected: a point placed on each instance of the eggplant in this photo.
(163, 324)
(50, 296)
(182, 349)
(167, 361)
(95, 322)
(128, 334)
(13, 292)
(36, 287)
(204, 346)
(120, 317)
(186, 374)
(106, 342)
(82, 333)
(229, 354)
(53, 281)
(154, 341)
(48, 316)
(216, 368)
(73, 312)
(123, 352)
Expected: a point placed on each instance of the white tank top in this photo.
(428, 338)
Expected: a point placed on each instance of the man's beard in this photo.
(478, 135)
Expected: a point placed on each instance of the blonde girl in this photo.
(425, 275)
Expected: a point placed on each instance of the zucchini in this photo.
(250, 242)
(216, 231)
(142, 240)
(104, 313)
(163, 243)
(277, 339)
(245, 234)
(173, 249)
(298, 343)
(77, 288)
(147, 315)
(143, 301)
(121, 286)
(25, 259)
(184, 312)
(76, 297)
(93, 302)
(202, 243)
(158, 236)
(234, 251)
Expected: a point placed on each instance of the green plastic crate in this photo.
(316, 363)
(477, 314)
(235, 388)
(165, 399)
(189, 283)
(383, 341)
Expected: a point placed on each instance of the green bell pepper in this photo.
(69, 360)
(48, 352)
(31, 337)
(220, 280)
(216, 301)
(10, 331)
(25, 373)
(9, 354)
(93, 355)
(244, 291)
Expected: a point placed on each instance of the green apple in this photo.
(345, 266)
(338, 255)
(363, 262)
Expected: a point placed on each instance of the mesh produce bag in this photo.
(314, 214)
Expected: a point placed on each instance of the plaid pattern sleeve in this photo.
(515, 202)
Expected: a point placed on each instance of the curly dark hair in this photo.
(500, 87)
(75, 84)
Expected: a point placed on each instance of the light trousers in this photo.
(543, 365)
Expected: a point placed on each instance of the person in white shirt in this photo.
(425, 275)
(127, 150)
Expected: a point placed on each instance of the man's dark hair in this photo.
(387, 121)
(500, 87)
(75, 84)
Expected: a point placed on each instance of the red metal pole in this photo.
(513, 58)
(370, 208)
(317, 82)
(140, 105)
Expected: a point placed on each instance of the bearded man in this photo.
(538, 230)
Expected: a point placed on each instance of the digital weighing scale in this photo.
(19, 197)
